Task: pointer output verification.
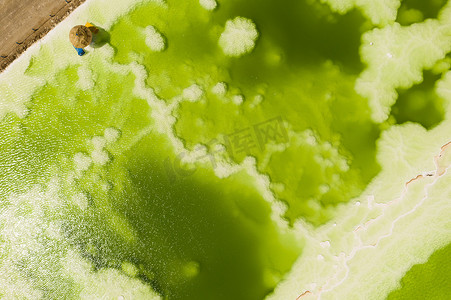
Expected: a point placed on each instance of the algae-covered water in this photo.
(212, 150)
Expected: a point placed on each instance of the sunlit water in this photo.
(105, 136)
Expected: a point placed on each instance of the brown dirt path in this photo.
(23, 22)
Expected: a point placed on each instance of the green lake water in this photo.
(179, 228)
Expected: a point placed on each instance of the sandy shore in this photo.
(23, 22)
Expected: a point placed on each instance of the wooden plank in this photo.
(22, 22)
(40, 22)
(58, 5)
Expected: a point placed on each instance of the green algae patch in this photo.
(420, 104)
(427, 281)
(415, 11)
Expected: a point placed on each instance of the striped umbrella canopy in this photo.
(80, 36)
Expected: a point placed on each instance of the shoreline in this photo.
(28, 34)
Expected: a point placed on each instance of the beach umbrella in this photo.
(80, 36)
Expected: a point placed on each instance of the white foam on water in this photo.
(100, 157)
(402, 203)
(238, 99)
(36, 256)
(105, 283)
(208, 4)
(16, 90)
(193, 93)
(397, 60)
(27, 220)
(98, 142)
(154, 39)
(160, 111)
(81, 200)
(17, 87)
(220, 89)
(378, 12)
(111, 134)
(85, 78)
(239, 37)
(82, 162)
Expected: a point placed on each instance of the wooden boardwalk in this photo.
(23, 22)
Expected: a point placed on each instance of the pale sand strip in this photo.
(23, 22)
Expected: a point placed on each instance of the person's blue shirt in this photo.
(80, 51)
